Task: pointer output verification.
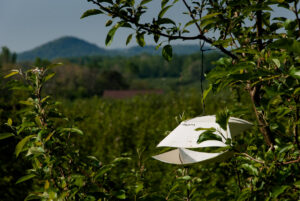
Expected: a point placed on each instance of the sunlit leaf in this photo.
(11, 74)
(9, 122)
(49, 76)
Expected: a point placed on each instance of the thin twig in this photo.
(254, 159)
(193, 17)
(293, 161)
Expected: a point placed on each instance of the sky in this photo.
(25, 24)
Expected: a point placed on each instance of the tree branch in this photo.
(170, 37)
(263, 127)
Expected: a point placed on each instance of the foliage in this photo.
(262, 57)
(58, 170)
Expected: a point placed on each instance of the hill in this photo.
(68, 47)
(62, 48)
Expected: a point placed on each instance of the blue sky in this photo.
(26, 24)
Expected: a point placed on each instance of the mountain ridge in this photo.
(69, 46)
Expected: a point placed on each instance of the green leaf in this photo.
(54, 65)
(206, 129)
(167, 52)
(145, 1)
(286, 148)
(165, 21)
(250, 169)
(222, 119)
(190, 23)
(210, 16)
(28, 102)
(14, 72)
(110, 35)
(128, 39)
(276, 62)
(163, 3)
(206, 92)
(297, 184)
(93, 158)
(186, 178)
(72, 130)
(108, 23)
(121, 195)
(32, 197)
(295, 73)
(208, 135)
(163, 11)
(21, 144)
(140, 39)
(5, 135)
(9, 122)
(138, 187)
(91, 12)
(289, 45)
(44, 99)
(104, 169)
(278, 190)
(25, 178)
(121, 159)
(49, 76)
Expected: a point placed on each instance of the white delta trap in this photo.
(185, 136)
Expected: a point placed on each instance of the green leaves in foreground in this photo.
(208, 134)
(167, 52)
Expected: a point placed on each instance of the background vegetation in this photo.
(90, 148)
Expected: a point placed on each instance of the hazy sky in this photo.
(25, 24)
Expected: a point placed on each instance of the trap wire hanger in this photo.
(202, 71)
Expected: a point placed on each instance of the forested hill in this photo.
(61, 48)
(67, 47)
